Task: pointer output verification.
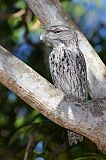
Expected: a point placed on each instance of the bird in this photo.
(67, 66)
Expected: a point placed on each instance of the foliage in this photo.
(20, 125)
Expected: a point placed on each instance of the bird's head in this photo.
(57, 35)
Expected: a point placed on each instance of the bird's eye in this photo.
(57, 31)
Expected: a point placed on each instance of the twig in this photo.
(29, 146)
(12, 15)
(36, 25)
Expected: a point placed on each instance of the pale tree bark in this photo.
(86, 118)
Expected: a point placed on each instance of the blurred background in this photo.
(25, 133)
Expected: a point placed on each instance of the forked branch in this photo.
(87, 118)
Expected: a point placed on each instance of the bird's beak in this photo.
(43, 35)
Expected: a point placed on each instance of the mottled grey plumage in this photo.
(67, 65)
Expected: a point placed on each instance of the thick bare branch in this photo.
(50, 13)
(87, 118)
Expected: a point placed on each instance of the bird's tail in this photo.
(74, 138)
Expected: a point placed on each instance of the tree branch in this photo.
(12, 15)
(51, 13)
(86, 118)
